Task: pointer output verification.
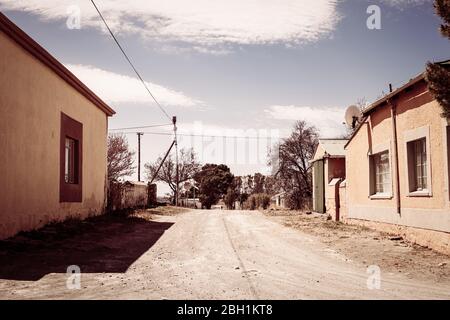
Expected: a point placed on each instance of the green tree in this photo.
(213, 181)
(438, 74)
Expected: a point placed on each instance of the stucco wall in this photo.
(32, 98)
(415, 109)
(334, 168)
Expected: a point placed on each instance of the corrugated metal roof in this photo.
(333, 147)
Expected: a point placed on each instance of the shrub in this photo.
(257, 201)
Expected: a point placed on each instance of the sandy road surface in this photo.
(228, 255)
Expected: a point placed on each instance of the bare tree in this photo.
(120, 158)
(294, 170)
(188, 166)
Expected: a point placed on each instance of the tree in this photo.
(120, 158)
(188, 166)
(294, 170)
(272, 185)
(443, 10)
(233, 193)
(213, 181)
(258, 183)
(438, 74)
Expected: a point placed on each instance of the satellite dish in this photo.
(352, 116)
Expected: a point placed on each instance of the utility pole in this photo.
(177, 178)
(139, 134)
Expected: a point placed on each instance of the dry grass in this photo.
(368, 246)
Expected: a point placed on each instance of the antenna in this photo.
(352, 116)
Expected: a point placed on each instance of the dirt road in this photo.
(224, 255)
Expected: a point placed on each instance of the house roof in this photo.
(37, 51)
(420, 77)
(330, 148)
(281, 194)
(390, 96)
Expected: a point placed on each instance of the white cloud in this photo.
(201, 23)
(405, 3)
(117, 88)
(327, 119)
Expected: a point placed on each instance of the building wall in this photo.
(334, 168)
(416, 110)
(32, 98)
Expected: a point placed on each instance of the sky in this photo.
(234, 68)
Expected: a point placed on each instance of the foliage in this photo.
(120, 158)
(256, 201)
(188, 166)
(233, 193)
(443, 10)
(213, 181)
(438, 78)
(438, 75)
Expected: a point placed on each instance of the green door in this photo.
(319, 194)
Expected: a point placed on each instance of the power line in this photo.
(129, 61)
(142, 127)
(199, 135)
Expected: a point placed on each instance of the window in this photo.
(417, 165)
(381, 174)
(71, 160)
(70, 163)
(418, 162)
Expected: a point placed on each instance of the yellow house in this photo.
(53, 135)
(398, 167)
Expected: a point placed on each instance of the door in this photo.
(319, 186)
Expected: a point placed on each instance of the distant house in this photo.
(53, 135)
(328, 171)
(279, 200)
(398, 167)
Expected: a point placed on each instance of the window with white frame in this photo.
(380, 174)
(417, 165)
(418, 162)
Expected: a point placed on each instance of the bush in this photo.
(257, 201)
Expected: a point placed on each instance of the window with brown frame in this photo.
(71, 160)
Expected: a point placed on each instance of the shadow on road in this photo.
(101, 244)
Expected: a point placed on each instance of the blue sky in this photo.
(236, 65)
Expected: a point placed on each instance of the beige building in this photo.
(328, 173)
(398, 167)
(53, 135)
